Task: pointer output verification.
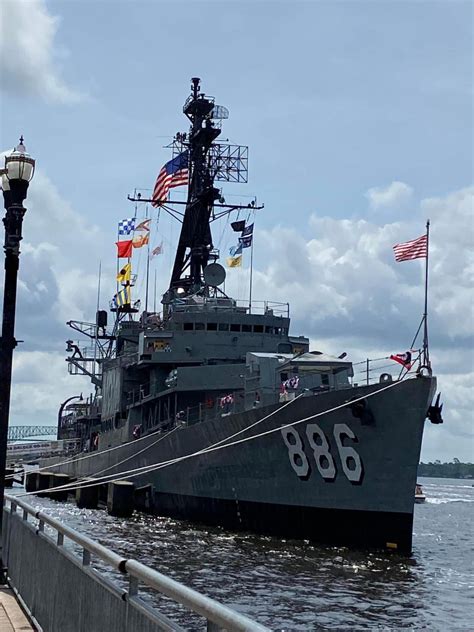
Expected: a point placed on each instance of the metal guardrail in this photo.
(217, 616)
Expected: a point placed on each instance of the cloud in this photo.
(28, 57)
(40, 384)
(395, 195)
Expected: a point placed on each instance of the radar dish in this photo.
(214, 274)
(219, 112)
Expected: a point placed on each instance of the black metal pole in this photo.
(13, 221)
(426, 353)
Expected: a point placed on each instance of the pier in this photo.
(12, 617)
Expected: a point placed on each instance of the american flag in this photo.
(174, 174)
(415, 249)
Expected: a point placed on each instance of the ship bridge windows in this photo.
(234, 327)
(276, 331)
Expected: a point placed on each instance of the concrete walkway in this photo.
(12, 617)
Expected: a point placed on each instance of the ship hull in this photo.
(336, 527)
(332, 478)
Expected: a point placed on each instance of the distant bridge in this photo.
(17, 433)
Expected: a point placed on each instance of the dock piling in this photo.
(87, 497)
(120, 498)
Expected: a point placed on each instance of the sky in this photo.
(358, 118)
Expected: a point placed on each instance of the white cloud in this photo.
(28, 57)
(395, 195)
(40, 384)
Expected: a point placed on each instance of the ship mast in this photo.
(207, 161)
(195, 241)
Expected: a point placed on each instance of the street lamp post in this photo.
(16, 176)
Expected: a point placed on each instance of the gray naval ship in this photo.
(221, 416)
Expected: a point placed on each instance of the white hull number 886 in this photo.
(350, 459)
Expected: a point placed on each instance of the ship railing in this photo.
(84, 359)
(267, 308)
(64, 546)
(373, 370)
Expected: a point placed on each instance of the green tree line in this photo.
(455, 469)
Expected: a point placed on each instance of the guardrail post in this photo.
(41, 526)
(25, 515)
(60, 540)
(86, 557)
(133, 586)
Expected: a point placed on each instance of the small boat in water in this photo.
(419, 495)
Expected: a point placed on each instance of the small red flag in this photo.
(124, 249)
(403, 358)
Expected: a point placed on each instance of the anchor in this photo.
(434, 412)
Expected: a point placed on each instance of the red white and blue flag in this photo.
(415, 249)
(174, 174)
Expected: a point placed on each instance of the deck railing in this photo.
(366, 372)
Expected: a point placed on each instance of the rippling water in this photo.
(293, 585)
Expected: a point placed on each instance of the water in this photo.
(293, 585)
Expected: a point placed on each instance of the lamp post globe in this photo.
(15, 179)
(17, 174)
